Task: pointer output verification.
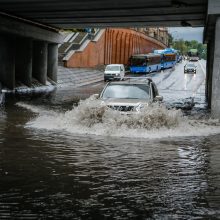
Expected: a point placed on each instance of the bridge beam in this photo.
(25, 28)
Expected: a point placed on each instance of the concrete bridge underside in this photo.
(35, 24)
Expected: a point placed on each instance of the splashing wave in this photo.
(92, 117)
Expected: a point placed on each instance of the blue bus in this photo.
(145, 63)
(178, 56)
(168, 57)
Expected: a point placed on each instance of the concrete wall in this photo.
(116, 45)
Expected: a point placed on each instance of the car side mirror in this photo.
(158, 98)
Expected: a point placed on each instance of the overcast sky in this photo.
(187, 33)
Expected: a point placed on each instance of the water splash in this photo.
(91, 116)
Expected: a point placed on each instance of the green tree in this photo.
(185, 46)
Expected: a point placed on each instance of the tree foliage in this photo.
(185, 46)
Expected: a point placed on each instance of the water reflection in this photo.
(64, 176)
(53, 174)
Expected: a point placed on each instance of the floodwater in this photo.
(63, 161)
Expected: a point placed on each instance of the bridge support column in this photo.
(52, 61)
(7, 61)
(215, 102)
(23, 60)
(209, 70)
(40, 61)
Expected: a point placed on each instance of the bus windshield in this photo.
(138, 61)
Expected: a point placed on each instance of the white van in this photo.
(114, 71)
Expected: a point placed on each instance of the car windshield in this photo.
(191, 65)
(126, 91)
(112, 68)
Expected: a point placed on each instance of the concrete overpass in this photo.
(105, 13)
(34, 25)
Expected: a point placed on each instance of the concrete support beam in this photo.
(40, 52)
(23, 60)
(7, 61)
(24, 28)
(215, 103)
(52, 61)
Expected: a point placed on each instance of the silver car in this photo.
(190, 68)
(130, 95)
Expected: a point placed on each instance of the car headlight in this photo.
(139, 107)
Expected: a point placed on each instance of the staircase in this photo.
(74, 42)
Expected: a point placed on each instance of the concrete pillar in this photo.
(7, 61)
(52, 60)
(209, 71)
(215, 102)
(23, 60)
(40, 61)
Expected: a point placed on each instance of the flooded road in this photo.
(58, 163)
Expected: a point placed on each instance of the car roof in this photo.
(115, 64)
(145, 55)
(133, 80)
(191, 64)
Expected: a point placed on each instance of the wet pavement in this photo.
(60, 162)
(75, 77)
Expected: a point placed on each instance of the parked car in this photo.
(190, 68)
(114, 71)
(131, 94)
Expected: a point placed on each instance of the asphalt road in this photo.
(173, 84)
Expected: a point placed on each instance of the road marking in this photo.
(200, 84)
(203, 69)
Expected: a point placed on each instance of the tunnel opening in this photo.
(184, 89)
